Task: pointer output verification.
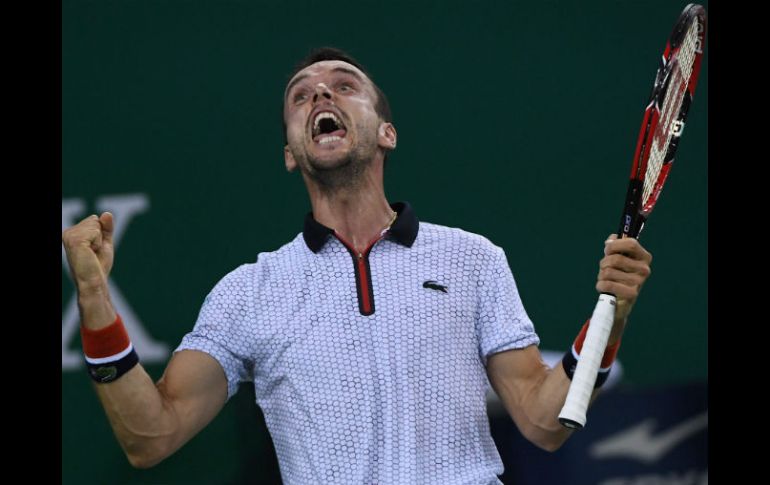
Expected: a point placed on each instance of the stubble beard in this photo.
(346, 174)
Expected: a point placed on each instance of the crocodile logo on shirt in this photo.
(434, 286)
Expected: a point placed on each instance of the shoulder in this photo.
(457, 239)
(290, 251)
(234, 282)
(268, 261)
(265, 263)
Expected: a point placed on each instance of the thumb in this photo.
(108, 225)
(610, 238)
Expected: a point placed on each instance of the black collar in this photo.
(403, 230)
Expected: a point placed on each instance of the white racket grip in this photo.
(573, 414)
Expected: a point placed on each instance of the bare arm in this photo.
(532, 393)
(150, 420)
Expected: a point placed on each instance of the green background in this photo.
(516, 120)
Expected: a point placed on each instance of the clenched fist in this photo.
(90, 251)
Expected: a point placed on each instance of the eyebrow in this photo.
(336, 69)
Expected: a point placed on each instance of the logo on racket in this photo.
(670, 108)
(627, 224)
(678, 128)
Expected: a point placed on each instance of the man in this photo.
(371, 338)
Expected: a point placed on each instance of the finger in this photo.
(108, 226)
(616, 276)
(608, 241)
(86, 225)
(91, 232)
(621, 291)
(623, 263)
(627, 246)
(84, 232)
(95, 236)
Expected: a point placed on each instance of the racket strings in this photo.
(671, 105)
(690, 46)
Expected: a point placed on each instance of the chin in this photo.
(326, 159)
(324, 164)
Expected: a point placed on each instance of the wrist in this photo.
(91, 287)
(96, 310)
(623, 310)
(616, 334)
(571, 357)
(108, 351)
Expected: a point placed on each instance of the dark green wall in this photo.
(516, 120)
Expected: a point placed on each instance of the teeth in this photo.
(323, 115)
(328, 139)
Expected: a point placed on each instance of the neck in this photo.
(357, 213)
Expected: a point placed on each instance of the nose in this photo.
(321, 89)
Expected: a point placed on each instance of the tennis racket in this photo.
(662, 127)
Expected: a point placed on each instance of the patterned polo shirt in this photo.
(370, 368)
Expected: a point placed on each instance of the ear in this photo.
(386, 136)
(288, 159)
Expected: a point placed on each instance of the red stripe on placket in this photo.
(363, 276)
(364, 282)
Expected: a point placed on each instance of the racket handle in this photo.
(573, 414)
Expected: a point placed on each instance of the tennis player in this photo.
(371, 338)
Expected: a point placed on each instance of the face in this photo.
(331, 121)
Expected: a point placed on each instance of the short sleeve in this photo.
(222, 327)
(502, 323)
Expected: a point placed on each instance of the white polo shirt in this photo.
(370, 368)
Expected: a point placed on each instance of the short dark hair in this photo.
(382, 107)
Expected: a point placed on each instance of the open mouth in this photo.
(328, 128)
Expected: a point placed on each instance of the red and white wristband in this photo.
(572, 356)
(108, 351)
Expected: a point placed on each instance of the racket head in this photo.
(664, 118)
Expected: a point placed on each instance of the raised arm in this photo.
(150, 420)
(532, 393)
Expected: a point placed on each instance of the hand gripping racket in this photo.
(662, 127)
